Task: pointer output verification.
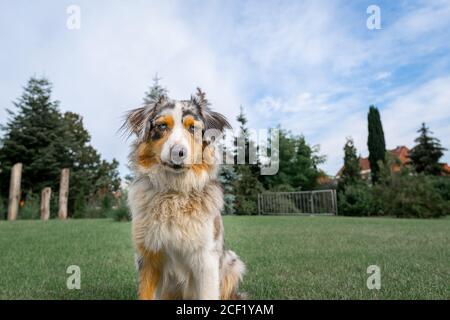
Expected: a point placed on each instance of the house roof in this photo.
(446, 168)
(401, 152)
(364, 164)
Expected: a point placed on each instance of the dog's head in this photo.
(174, 135)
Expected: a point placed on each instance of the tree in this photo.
(298, 164)
(405, 195)
(228, 177)
(45, 141)
(155, 92)
(90, 176)
(427, 152)
(31, 137)
(3, 213)
(375, 142)
(248, 146)
(247, 189)
(351, 173)
(247, 186)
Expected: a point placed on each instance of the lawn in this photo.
(287, 258)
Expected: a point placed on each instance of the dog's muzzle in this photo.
(178, 154)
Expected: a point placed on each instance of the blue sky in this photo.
(312, 66)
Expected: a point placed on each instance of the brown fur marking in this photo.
(190, 121)
(228, 287)
(149, 274)
(167, 120)
(207, 159)
(217, 227)
(148, 152)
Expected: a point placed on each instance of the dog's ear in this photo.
(134, 122)
(139, 121)
(212, 119)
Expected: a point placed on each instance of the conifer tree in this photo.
(31, 137)
(351, 172)
(155, 92)
(427, 152)
(247, 185)
(228, 177)
(45, 141)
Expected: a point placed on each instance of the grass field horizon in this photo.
(286, 257)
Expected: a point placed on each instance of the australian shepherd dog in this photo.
(176, 202)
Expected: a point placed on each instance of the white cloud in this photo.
(428, 103)
(312, 66)
(401, 117)
(327, 97)
(103, 69)
(382, 75)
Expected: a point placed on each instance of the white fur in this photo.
(191, 253)
(177, 136)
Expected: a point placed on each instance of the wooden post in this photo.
(63, 193)
(14, 191)
(45, 203)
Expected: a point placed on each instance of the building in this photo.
(401, 153)
(446, 170)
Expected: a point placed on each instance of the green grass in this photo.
(287, 258)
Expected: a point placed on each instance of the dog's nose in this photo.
(177, 154)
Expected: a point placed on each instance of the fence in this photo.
(322, 202)
(15, 193)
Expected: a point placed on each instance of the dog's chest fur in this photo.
(174, 222)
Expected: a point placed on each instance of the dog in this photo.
(176, 200)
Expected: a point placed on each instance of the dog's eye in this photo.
(192, 128)
(162, 126)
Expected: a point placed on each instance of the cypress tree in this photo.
(426, 154)
(375, 143)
